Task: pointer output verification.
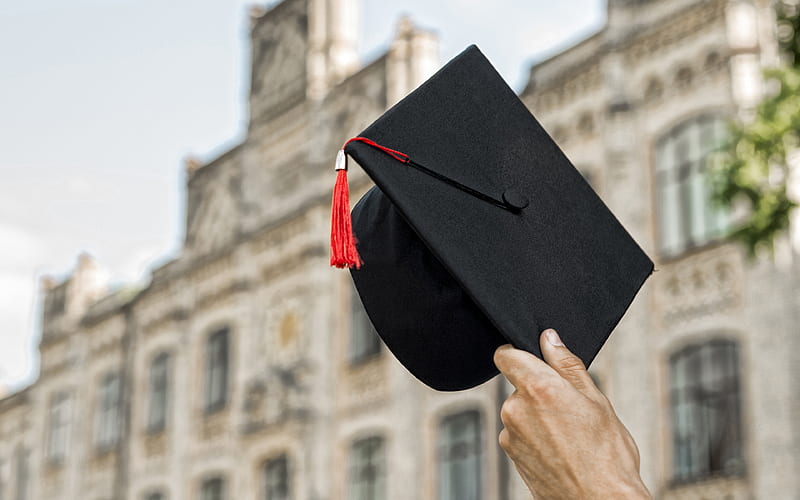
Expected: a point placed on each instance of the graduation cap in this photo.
(479, 232)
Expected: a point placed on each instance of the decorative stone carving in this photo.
(699, 285)
(278, 397)
(279, 45)
(212, 211)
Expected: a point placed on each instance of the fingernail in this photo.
(553, 338)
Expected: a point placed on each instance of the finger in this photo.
(504, 439)
(568, 365)
(519, 366)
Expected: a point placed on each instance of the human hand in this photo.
(561, 432)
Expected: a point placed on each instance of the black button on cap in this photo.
(515, 199)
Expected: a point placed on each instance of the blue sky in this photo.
(100, 100)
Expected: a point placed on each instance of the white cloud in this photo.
(20, 255)
(139, 263)
(18, 248)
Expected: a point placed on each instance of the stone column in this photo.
(333, 43)
(412, 59)
(633, 378)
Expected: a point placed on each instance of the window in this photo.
(159, 394)
(705, 403)
(364, 341)
(22, 474)
(460, 457)
(213, 489)
(107, 419)
(686, 216)
(366, 478)
(217, 371)
(276, 479)
(57, 428)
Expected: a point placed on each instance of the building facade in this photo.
(247, 369)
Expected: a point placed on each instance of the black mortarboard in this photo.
(479, 232)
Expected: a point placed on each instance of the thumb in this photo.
(568, 365)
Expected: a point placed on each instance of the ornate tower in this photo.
(300, 49)
(65, 302)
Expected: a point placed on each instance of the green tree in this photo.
(753, 166)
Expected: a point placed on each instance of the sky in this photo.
(101, 100)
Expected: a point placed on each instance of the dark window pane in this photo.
(216, 391)
(159, 394)
(367, 471)
(686, 215)
(58, 428)
(108, 412)
(706, 420)
(213, 489)
(460, 457)
(276, 479)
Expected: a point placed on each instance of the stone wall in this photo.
(255, 261)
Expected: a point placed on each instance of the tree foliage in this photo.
(753, 168)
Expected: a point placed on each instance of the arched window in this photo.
(705, 404)
(108, 416)
(459, 457)
(58, 428)
(213, 489)
(686, 216)
(366, 476)
(277, 482)
(217, 366)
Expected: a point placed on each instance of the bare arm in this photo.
(561, 432)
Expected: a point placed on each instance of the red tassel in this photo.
(343, 243)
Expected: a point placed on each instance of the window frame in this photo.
(213, 481)
(108, 419)
(217, 364)
(689, 397)
(158, 388)
(376, 458)
(277, 461)
(58, 423)
(444, 436)
(675, 178)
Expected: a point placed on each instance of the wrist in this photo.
(633, 490)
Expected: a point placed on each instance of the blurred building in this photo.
(246, 369)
